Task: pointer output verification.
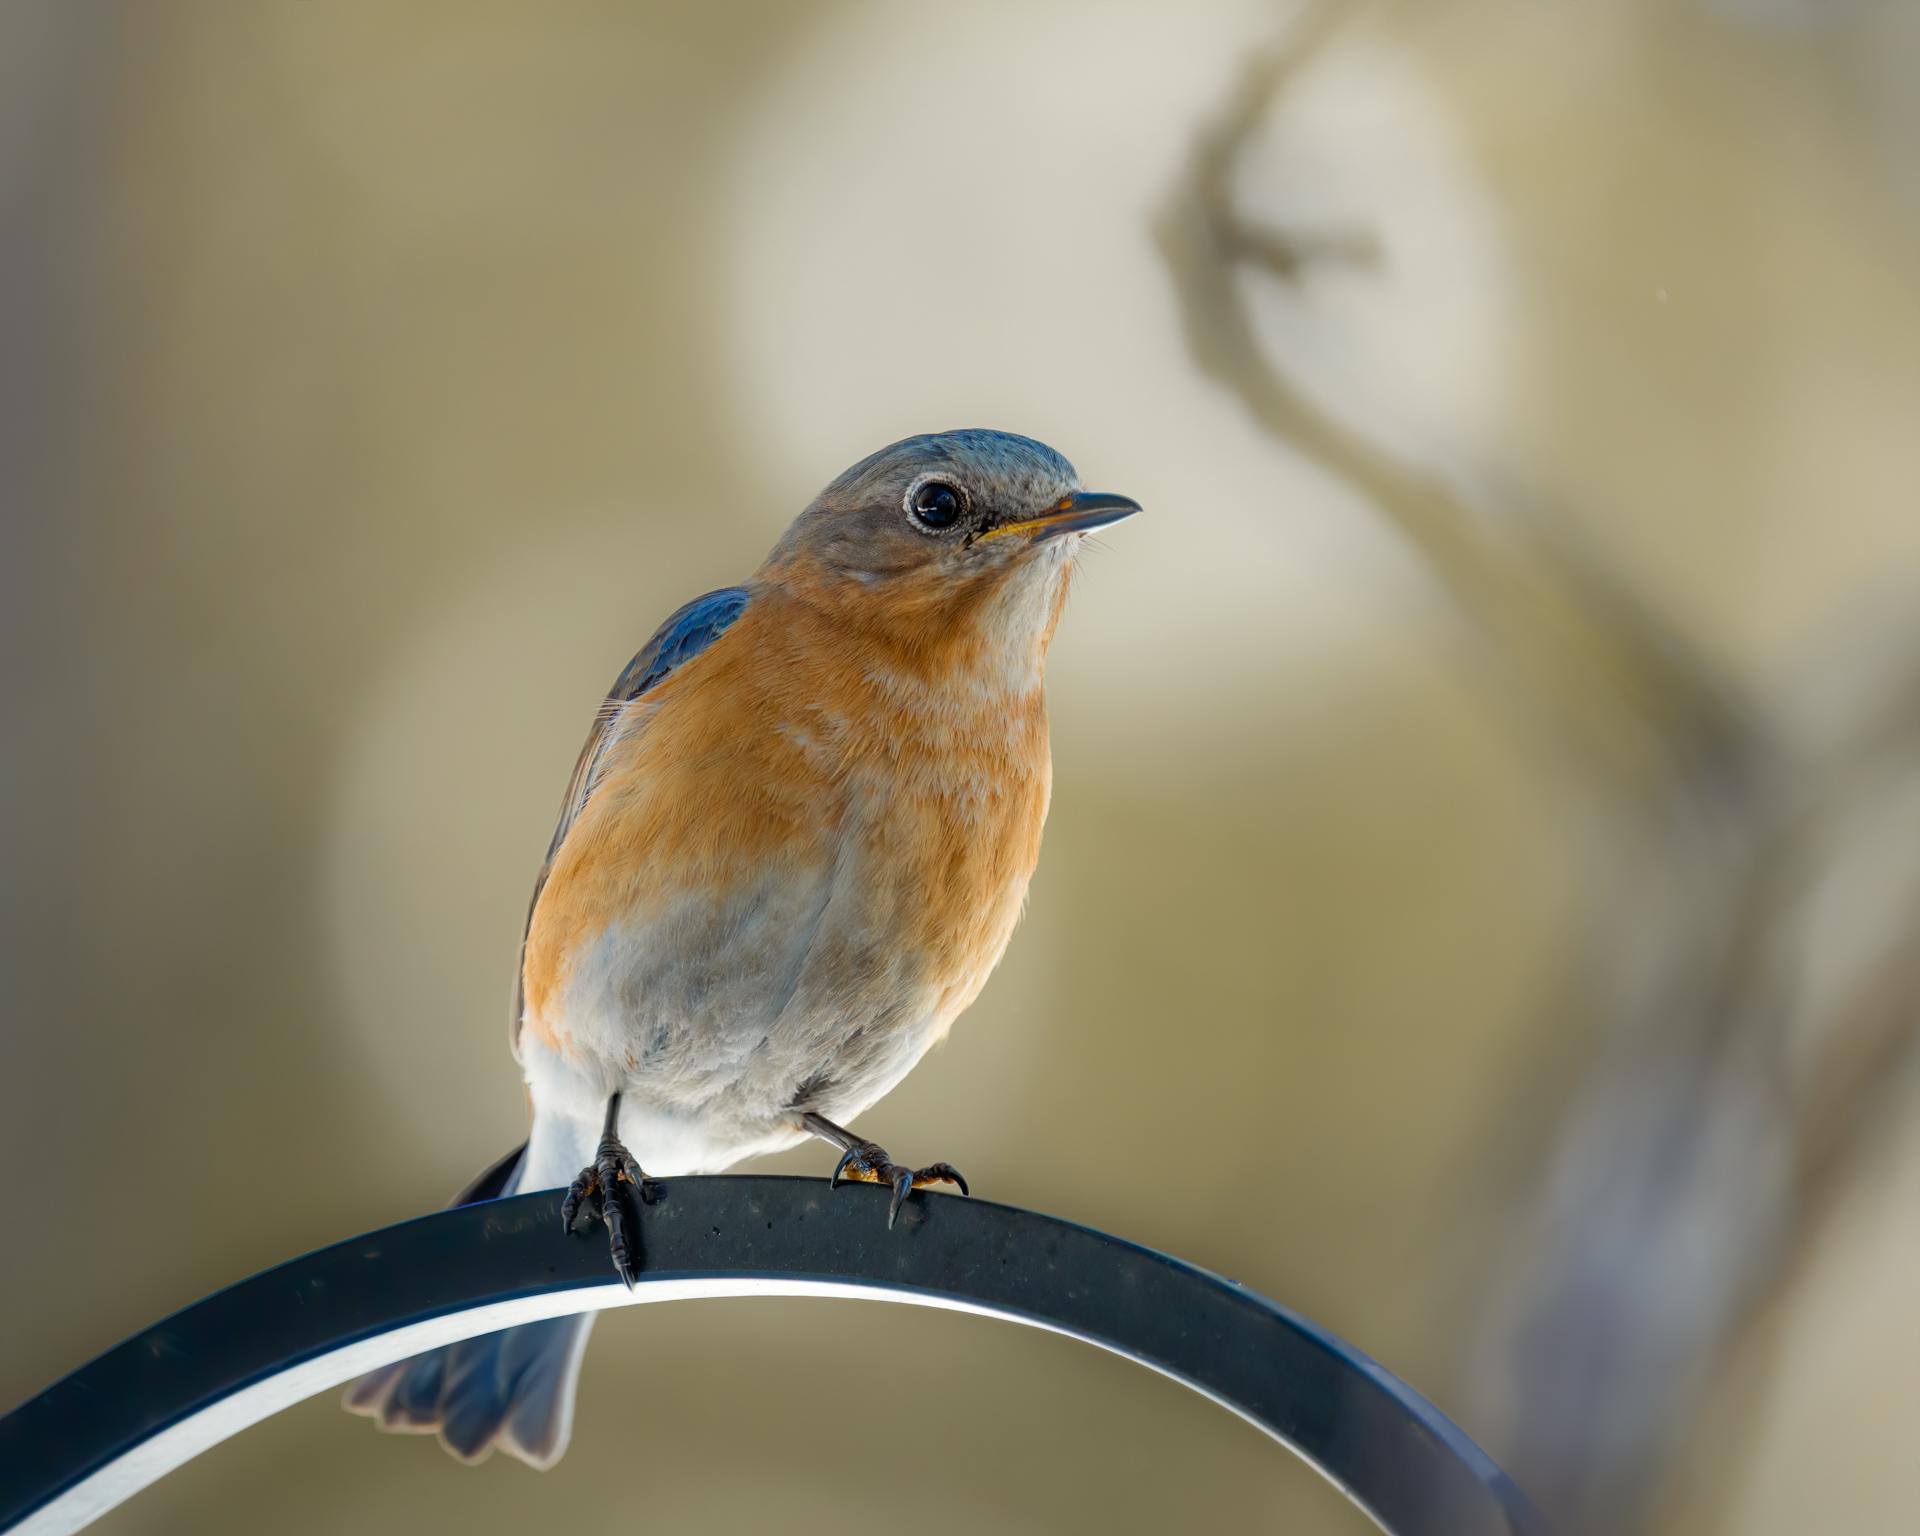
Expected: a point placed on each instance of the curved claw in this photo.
(583, 1193)
(942, 1173)
(870, 1164)
(597, 1192)
(902, 1187)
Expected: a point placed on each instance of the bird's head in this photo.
(971, 531)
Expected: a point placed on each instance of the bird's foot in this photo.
(870, 1164)
(597, 1191)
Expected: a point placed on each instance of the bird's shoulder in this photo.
(685, 634)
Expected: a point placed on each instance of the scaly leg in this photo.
(864, 1160)
(597, 1191)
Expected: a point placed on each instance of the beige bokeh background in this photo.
(381, 374)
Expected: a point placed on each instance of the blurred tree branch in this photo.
(1589, 654)
(1686, 1174)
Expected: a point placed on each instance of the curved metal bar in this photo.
(124, 1420)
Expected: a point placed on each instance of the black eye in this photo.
(936, 505)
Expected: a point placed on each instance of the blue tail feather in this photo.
(512, 1390)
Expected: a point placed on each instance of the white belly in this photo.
(570, 1109)
(714, 1019)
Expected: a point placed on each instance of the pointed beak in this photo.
(1071, 514)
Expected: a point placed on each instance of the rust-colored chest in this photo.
(791, 760)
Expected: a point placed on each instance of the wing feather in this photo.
(688, 632)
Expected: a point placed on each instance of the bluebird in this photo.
(793, 849)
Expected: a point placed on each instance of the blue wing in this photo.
(688, 632)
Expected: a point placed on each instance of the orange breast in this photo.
(799, 742)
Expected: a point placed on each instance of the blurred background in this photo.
(1487, 787)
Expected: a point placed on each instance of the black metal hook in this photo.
(144, 1407)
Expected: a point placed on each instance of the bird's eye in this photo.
(936, 505)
